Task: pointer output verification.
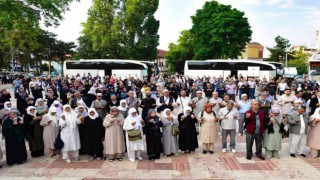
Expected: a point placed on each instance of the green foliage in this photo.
(180, 52)
(19, 26)
(278, 52)
(45, 67)
(218, 31)
(299, 60)
(120, 29)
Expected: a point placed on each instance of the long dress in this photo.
(135, 147)
(21, 102)
(170, 142)
(153, 137)
(34, 135)
(14, 140)
(114, 136)
(93, 134)
(209, 128)
(50, 130)
(188, 140)
(314, 134)
(70, 134)
(272, 140)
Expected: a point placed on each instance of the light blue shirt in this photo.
(244, 106)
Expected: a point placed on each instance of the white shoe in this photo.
(98, 158)
(140, 158)
(234, 150)
(68, 161)
(91, 158)
(219, 133)
(77, 158)
(239, 134)
(224, 150)
(132, 160)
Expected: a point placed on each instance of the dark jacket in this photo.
(250, 123)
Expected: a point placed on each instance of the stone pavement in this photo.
(184, 166)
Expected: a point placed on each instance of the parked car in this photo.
(299, 78)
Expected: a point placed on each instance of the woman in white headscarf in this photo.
(82, 113)
(170, 142)
(272, 139)
(50, 130)
(134, 147)
(114, 136)
(123, 108)
(188, 140)
(41, 106)
(91, 95)
(69, 121)
(34, 132)
(314, 134)
(7, 108)
(93, 135)
(57, 104)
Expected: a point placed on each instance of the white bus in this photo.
(104, 67)
(225, 68)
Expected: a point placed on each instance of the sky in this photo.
(295, 20)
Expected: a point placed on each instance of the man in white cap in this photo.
(197, 104)
(100, 105)
(165, 101)
(285, 102)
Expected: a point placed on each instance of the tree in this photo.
(278, 52)
(180, 52)
(121, 29)
(299, 60)
(219, 31)
(19, 24)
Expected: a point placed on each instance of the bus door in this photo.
(253, 71)
(100, 73)
(108, 72)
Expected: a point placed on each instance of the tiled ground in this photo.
(184, 166)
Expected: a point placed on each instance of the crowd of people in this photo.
(105, 117)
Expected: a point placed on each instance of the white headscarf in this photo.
(59, 108)
(38, 102)
(123, 108)
(84, 113)
(164, 113)
(95, 113)
(92, 91)
(53, 118)
(134, 118)
(316, 114)
(29, 111)
(6, 105)
(186, 109)
(70, 116)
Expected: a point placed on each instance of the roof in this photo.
(161, 53)
(255, 44)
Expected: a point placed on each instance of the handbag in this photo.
(134, 134)
(58, 143)
(175, 130)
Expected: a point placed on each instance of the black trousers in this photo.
(257, 138)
